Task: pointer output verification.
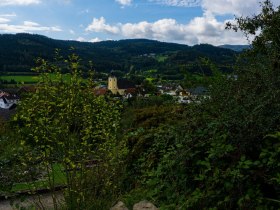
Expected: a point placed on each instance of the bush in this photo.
(63, 127)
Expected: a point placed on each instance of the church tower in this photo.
(113, 84)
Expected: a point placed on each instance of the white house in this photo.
(184, 100)
(7, 102)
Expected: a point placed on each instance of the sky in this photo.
(179, 21)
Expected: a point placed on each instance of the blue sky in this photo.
(180, 21)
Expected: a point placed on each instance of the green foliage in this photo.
(64, 123)
(150, 101)
(9, 156)
(19, 51)
(224, 152)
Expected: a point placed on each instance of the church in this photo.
(120, 86)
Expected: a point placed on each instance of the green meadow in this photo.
(21, 78)
(27, 79)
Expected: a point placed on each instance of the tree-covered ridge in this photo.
(17, 53)
(237, 48)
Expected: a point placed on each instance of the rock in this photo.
(144, 205)
(119, 206)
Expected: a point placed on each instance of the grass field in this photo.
(27, 79)
(161, 58)
(21, 78)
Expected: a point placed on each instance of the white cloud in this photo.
(4, 20)
(234, 7)
(206, 29)
(209, 30)
(99, 25)
(124, 2)
(27, 26)
(71, 32)
(8, 15)
(18, 2)
(237, 7)
(81, 39)
(219, 7)
(164, 29)
(54, 29)
(95, 40)
(30, 24)
(178, 3)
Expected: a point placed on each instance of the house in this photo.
(3, 93)
(171, 93)
(198, 91)
(173, 90)
(100, 91)
(130, 92)
(184, 93)
(184, 100)
(119, 86)
(8, 101)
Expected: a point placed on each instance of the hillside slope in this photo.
(18, 52)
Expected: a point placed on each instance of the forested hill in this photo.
(18, 52)
(237, 48)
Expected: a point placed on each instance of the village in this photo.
(118, 88)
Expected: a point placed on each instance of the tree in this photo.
(67, 131)
(236, 167)
(267, 42)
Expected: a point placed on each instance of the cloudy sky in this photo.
(180, 21)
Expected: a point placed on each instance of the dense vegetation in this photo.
(222, 153)
(63, 136)
(18, 51)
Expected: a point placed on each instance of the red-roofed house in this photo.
(100, 91)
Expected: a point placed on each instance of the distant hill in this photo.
(237, 48)
(18, 52)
